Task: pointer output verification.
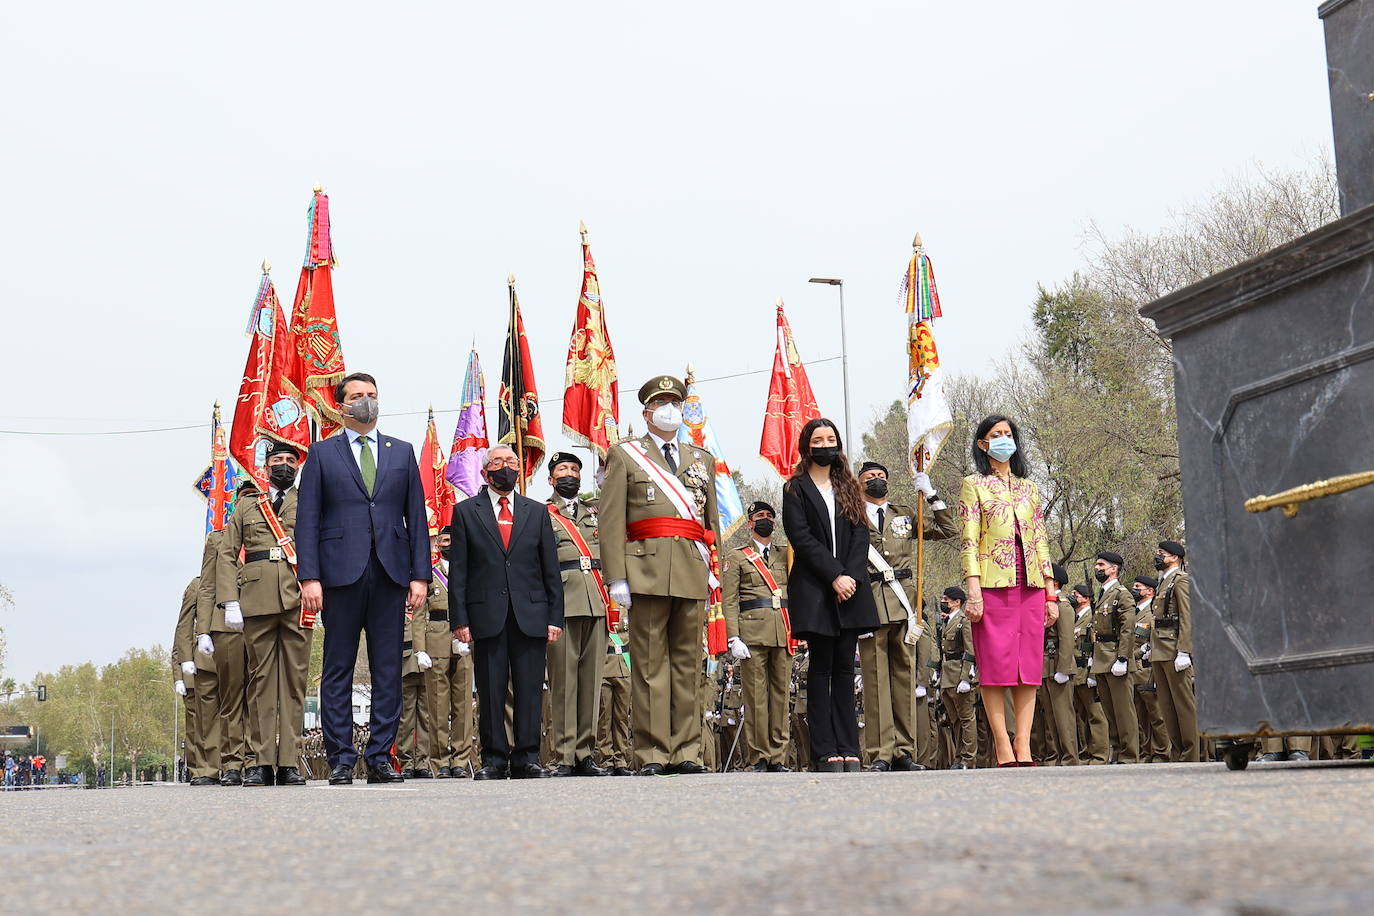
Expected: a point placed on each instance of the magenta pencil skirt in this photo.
(1009, 642)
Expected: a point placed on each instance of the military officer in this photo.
(433, 635)
(927, 696)
(462, 746)
(730, 725)
(196, 671)
(956, 678)
(754, 598)
(1171, 652)
(658, 514)
(888, 657)
(413, 733)
(1094, 743)
(613, 749)
(800, 754)
(265, 595)
(1114, 657)
(576, 662)
(1058, 675)
(452, 714)
(220, 634)
(1154, 737)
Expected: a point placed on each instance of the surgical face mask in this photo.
(763, 527)
(1100, 575)
(825, 455)
(282, 476)
(668, 416)
(1002, 448)
(503, 479)
(1159, 563)
(568, 486)
(876, 487)
(446, 551)
(365, 410)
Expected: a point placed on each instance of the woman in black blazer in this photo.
(828, 597)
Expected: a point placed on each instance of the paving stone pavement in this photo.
(1120, 840)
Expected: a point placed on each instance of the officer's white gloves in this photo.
(868, 635)
(920, 691)
(180, 688)
(205, 645)
(233, 616)
(913, 632)
(923, 484)
(424, 661)
(1060, 677)
(461, 647)
(964, 687)
(737, 648)
(1183, 661)
(620, 592)
(1119, 667)
(188, 669)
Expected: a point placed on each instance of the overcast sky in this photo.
(720, 154)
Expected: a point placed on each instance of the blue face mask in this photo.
(1002, 448)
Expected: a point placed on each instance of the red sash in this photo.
(692, 530)
(752, 556)
(288, 551)
(569, 526)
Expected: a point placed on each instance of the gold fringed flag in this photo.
(319, 362)
(791, 403)
(591, 397)
(520, 425)
(928, 417)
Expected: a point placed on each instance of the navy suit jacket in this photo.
(486, 581)
(338, 525)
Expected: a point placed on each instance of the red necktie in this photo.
(505, 521)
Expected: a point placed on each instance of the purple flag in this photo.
(470, 443)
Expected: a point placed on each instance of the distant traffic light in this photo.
(42, 692)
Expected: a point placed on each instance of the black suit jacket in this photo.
(811, 601)
(486, 581)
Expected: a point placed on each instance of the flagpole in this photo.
(517, 397)
(920, 513)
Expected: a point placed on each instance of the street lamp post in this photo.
(844, 358)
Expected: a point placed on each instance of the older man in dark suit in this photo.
(506, 597)
(362, 542)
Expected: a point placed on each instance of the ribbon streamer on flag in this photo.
(928, 417)
(470, 444)
(696, 430)
(520, 425)
(318, 363)
(791, 403)
(218, 483)
(591, 397)
(439, 498)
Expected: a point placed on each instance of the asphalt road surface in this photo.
(1117, 840)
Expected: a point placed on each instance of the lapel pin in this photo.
(388, 445)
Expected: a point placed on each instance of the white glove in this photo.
(424, 661)
(1118, 668)
(1060, 677)
(964, 687)
(462, 648)
(620, 592)
(205, 645)
(935, 679)
(737, 648)
(180, 688)
(913, 632)
(188, 669)
(1092, 682)
(1183, 662)
(920, 691)
(233, 616)
(868, 635)
(923, 484)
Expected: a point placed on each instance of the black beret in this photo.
(873, 466)
(662, 384)
(560, 457)
(1061, 575)
(1085, 591)
(1147, 581)
(1113, 558)
(282, 448)
(1173, 547)
(955, 593)
(759, 505)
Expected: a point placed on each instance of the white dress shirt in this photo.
(659, 443)
(496, 502)
(872, 509)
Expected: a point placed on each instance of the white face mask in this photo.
(668, 416)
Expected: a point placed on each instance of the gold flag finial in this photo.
(510, 279)
(216, 405)
(916, 242)
(266, 266)
(582, 229)
(318, 187)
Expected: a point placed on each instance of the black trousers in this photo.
(509, 657)
(830, 695)
(376, 604)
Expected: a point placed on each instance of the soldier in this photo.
(613, 748)
(1171, 652)
(462, 739)
(432, 634)
(195, 672)
(754, 597)
(730, 724)
(801, 730)
(956, 678)
(1154, 738)
(412, 736)
(658, 513)
(577, 661)
(263, 593)
(927, 653)
(1059, 672)
(1114, 656)
(888, 657)
(220, 634)
(1095, 744)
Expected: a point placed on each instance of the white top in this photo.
(828, 497)
(357, 450)
(669, 442)
(872, 510)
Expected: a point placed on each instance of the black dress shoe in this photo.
(561, 769)
(587, 767)
(880, 766)
(529, 771)
(905, 764)
(408, 773)
(622, 771)
(445, 772)
(959, 766)
(289, 776)
(688, 768)
(383, 774)
(779, 768)
(760, 767)
(491, 773)
(231, 778)
(341, 775)
(204, 781)
(422, 773)
(652, 769)
(254, 776)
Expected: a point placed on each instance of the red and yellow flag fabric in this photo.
(318, 361)
(520, 425)
(791, 403)
(591, 397)
(439, 495)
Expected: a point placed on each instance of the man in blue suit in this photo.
(362, 543)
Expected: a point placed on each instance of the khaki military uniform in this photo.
(956, 664)
(462, 755)
(1173, 633)
(1154, 738)
(754, 614)
(711, 701)
(277, 646)
(613, 748)
(927, 737)
(230, 691)
(436, 639)
(413, 734)
(202, 735)
(1061, 725)
(1114, 615)
(731, 730)
(669, 586)
(887, 662)
(1094, 740)
(800, 753)
(577, 661)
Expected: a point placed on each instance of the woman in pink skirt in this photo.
(1012, 595)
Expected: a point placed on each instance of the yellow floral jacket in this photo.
(989, 512)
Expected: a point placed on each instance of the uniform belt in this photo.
(438, 615)
(408, 644)
(896, 574)
(1166, 624)
(756, 603)
(1106, 640)
(952, 656)
(583, 563)
(254, 556)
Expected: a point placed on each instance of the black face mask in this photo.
(1159, 563)
(826, 455)
(567, 487)
(1139, 595)
(876, 487)
(445, 551)
(503, 479)
(1100, 575)
(282, 476)
(763, 527)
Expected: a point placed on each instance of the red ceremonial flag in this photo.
(519, 424)
(791, 403)
(591, 396)
(439, 496)
(318, 363)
